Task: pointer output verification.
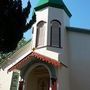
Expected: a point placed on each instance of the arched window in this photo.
(55, 33)
(40, 38)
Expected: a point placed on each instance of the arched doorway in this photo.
(38, 79)
(37, 72)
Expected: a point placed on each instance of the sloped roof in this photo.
(41, 2)
(38, 56)
(53, 3)
(12, 54)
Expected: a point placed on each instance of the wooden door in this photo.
(43, 84)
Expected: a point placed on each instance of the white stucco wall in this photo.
(79, 56)
(61, 16)
(63, 79)
(5, 79)
(41, 15)
(48, 14)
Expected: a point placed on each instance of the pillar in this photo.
(21, 85)
(15, 80)
(54, 83)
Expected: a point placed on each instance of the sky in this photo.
(80, 10)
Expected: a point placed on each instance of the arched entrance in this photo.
(38, 79)
(37, 72)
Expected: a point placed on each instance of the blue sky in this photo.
(80, 10)
(80, 13)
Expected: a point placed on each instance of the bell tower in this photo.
(50, 37)
(52, 16)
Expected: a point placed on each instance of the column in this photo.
(54, 83)
(15, 79)
(21, 85)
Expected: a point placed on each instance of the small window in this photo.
(40, 38)
(55, 33)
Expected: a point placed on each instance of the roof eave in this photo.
(61, 6)
(79, 30)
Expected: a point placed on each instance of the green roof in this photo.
(79, 30)
(50, 1)
(53, 3)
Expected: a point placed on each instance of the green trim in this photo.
(55, 4)
(80, 30)
(14, 82)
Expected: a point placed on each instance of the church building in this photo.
(57, 57)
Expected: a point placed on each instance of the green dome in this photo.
(42, 2)
(53, 3)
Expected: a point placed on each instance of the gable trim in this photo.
(29, 57)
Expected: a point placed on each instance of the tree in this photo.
(4, 56)
(13, 23)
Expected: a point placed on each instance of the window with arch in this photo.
(40, 37)
(55, 33)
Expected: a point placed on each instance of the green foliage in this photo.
(3, 56)
(13, 23)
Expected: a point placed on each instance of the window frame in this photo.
(51, 36)
(37, 34)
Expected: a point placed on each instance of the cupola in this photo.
(52, 16)
(52, 3)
